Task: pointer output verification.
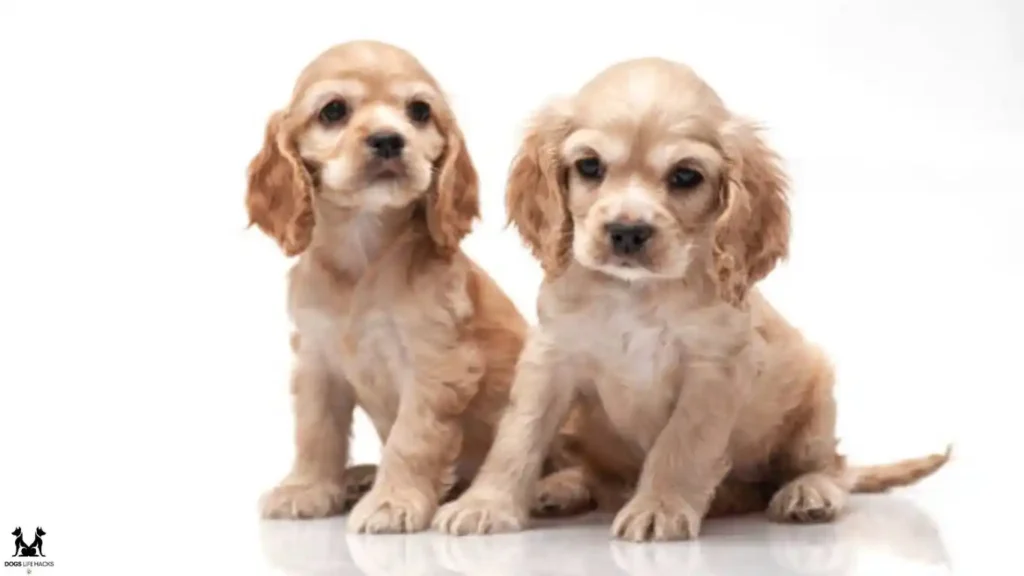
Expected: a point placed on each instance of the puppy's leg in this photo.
(688, 459)
(419, 455)
(323, 407)
(814, 492)
(500, 497)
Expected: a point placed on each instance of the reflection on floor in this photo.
(887, 533)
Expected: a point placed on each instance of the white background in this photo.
(143, 338)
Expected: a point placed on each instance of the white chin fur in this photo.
(375, 197)
(337, 174)
(632, 273)
(629, 273)
(381, 195)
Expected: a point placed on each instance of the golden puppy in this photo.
(654, 210)
(365, 176)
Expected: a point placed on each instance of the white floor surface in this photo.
(880, 535)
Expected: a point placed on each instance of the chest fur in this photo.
(633, 353)
(358, 337)
(628, 360)
(621, 344)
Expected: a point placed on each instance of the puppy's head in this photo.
(645, 174)
(367, 129)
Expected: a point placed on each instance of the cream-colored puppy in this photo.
(654, 211)
(366, 177)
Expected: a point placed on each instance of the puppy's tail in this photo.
(882, 477)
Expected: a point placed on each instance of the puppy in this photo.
(366, 177)
(654, 211)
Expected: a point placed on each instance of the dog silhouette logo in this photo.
(23, 550)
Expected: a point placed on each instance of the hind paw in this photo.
(359, 480)
(563, 493)
(811, 498)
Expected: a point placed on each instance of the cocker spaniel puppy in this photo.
(366, 177)
(654, 210)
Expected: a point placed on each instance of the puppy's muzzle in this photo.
(385, 145)
(628, 239)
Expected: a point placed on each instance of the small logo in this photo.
(22, 550)
(28, 551)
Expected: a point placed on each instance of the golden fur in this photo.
(696, 397)
(389, 314)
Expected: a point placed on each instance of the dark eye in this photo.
(333, 112)
(418, 111)
(590, 168)
(684, 179)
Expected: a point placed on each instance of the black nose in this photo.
(628, 239)
(385, 144)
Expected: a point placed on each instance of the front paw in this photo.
(387, 510)
(473, 514)
(650, 518)
(295, 498)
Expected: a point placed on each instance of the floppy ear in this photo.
(536, 195)
(455, 202)
(279, 194)
(752, 233)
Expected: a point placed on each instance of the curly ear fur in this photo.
(455, 202)
(536, 196)
(279, 192)
(752, 234)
